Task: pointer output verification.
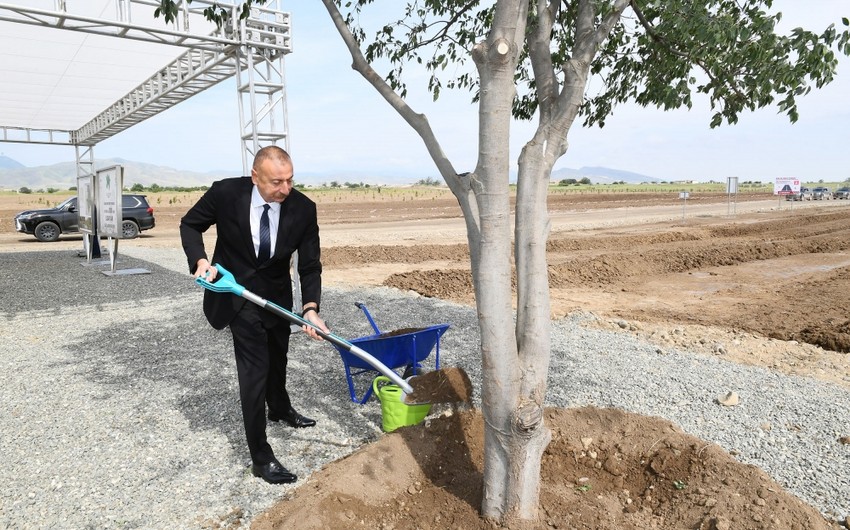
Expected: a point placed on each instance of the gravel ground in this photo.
(120, 404)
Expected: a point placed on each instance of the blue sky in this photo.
(340, 126)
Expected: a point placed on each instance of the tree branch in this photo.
(650, 30)
(460, 184)
(419, 122)
(443, 33)
(539, 41)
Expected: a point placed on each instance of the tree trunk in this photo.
(514, 435)
(514, 357)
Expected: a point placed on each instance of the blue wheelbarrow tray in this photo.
(399, 349)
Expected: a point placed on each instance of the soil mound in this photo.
(446, 385)
(603, 469)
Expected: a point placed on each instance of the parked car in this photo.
(841, 193)
(50, 223)
(821, 193)
(805, 194)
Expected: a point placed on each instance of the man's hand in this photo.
(205, 270)
(313, 317)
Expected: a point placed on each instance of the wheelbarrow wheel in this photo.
(411, 370)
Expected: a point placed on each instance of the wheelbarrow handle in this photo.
(362, 306)
(226, 283)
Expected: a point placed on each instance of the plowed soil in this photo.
(755, 280)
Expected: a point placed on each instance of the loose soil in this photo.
(604, 469)
(446, 385)
(755, 280)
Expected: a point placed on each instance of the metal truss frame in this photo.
(262, 105)
(253, 50)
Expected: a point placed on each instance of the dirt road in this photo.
(759, 281)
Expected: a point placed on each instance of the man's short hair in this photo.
(271, 152)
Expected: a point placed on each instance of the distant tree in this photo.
(428, 181)
(24, 189)
(584, 180)
(154, 188)
(52, 190)
(137, 187)
(567, 182)
(334, 184)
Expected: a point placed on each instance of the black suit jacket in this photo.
(227, 205)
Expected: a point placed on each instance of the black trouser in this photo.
(261, 365)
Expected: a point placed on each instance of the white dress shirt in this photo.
(257, 203)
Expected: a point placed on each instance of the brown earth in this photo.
(604, 469)
(754, 280)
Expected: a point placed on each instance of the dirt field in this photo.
(758, 281)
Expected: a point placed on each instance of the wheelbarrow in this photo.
(402, 349)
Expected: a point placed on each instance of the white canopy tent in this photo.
(76, 72)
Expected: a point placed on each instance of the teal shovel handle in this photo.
(225, 283)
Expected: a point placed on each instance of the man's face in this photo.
(273, 179)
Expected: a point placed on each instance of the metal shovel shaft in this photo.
(226, 283)
(330, 337)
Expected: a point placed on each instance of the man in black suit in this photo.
(260, 221)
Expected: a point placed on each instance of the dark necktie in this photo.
(265, 233)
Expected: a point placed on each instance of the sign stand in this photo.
(112, 245)
(87, 210)
(91, 249)
(732, 195)
(109, 186)
(297, 302)
(684, 196)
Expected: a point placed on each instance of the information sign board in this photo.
(85, 204)
(110, 181)
(731, 185)
(786, 186)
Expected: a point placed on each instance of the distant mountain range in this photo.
(8, 163)
(14, 175)
(601, 175)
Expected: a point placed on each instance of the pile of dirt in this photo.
(603, 469)
(446, 385)
(764, 275)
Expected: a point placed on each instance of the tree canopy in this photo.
(661, 55)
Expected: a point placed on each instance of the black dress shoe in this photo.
(273, 473)
(292, 418)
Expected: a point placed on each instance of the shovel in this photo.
(226, 283)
